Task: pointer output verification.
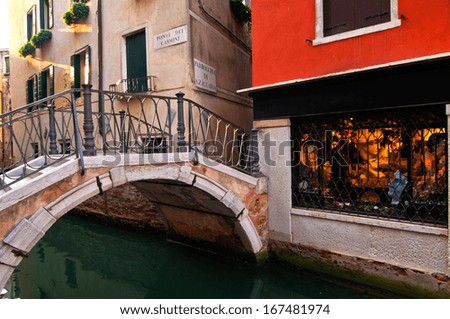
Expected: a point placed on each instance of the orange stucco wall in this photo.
(281, 52)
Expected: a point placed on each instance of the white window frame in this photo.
(123, 46)
(5, 58)
(321, 39)
(33, 13)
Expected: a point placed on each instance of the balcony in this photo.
(135, 85)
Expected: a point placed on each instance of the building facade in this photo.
(351, 104)
(140, 46)
(5, 103)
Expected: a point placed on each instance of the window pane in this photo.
(6, 63)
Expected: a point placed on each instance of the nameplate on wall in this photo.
(205, 76)
(172, 37)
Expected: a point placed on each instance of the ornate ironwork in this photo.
(385, 165)
(36, 136)
(47, 131)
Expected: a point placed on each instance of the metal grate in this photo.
(385, 164)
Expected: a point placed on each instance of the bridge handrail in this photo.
(30, 136)
(137, 122)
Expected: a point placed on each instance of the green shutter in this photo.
(75, 73)
(136, 62)
(42, 84)
(51, 79)
(30, 92)
(29, 26)
(6, 64)
(42, 14)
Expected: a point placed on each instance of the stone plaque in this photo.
(205, 76)
(171, 37)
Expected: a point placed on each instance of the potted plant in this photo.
(40, 38)
(77, 11)
(26, 49)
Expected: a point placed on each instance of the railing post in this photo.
(180, 126)
(88, 123)
(254, 154)
(123, 145)
(52, 134)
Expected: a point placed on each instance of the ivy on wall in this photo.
(241, 11)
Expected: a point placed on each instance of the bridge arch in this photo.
(219, 211)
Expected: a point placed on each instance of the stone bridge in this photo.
(201, 201)
(203, 185)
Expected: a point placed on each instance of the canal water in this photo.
(78, 258)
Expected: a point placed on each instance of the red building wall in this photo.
(281, 28)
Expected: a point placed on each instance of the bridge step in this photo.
(29, 172)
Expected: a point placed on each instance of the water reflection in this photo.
(81, 259)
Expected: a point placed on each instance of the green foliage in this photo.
(26, 49)
(68, 18)
(40, 38)
(241, 11)
(78, 10)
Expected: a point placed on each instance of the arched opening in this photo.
(212, 215)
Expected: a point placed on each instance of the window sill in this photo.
(366, 221)
(358, 32)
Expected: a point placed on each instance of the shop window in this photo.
(390, 166)
(341, 19)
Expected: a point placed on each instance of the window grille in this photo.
(390, 164)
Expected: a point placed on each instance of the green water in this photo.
(78, 258)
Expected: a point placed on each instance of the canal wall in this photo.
(124, 206)
(409, 258)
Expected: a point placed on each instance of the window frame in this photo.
(30, 30)
(125, 35)
(322, 39)
(46, 16)
(80, 69)
(46, 82)
(334, 170)
(6, 65)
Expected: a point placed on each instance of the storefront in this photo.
(371, 143)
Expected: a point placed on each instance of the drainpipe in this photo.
(101, 107)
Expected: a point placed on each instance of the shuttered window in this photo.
(30, 23)
(32, 90)
(80, 69)
(46, 14)
(6, 65)
(345, 15)
(136, 51)
(46, 83)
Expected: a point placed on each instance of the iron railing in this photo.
(384, 165)
(47, 131)
(135, 85)
(38, 135)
